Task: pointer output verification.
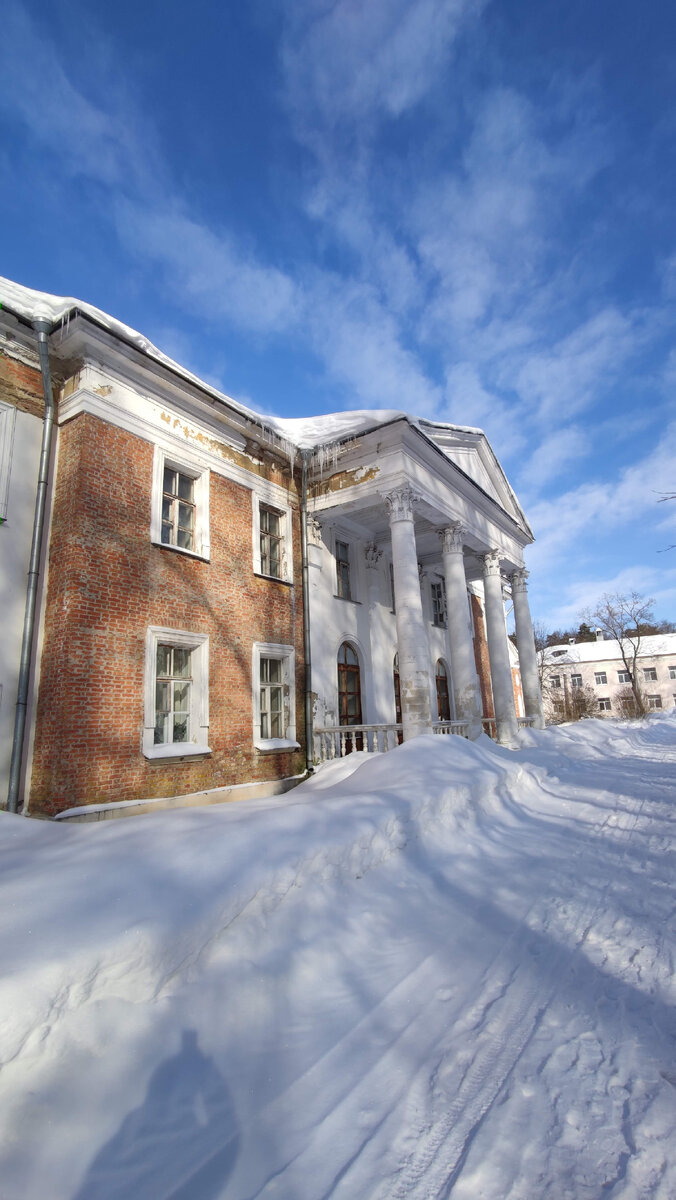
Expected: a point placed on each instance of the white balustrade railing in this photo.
(461, 728)
(526, 722)
(335, 741)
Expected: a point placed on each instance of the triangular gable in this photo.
(471, 451)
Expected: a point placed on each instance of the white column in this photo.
(463, 667)
(414, 675)
(525, 643)
(501, 671)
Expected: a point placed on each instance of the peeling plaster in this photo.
(345, 479)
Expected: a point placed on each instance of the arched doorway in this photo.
(443, 698)
(349, 694)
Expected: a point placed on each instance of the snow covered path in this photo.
(447, 973)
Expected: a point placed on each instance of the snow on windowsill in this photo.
(270, 745)
(176, 751)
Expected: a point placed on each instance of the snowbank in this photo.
(444, 970)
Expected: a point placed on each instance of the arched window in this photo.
(349, 686)
(443, 699)
(349, 694)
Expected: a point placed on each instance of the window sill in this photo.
(176, 752)
(273, 578)
(274, 745)
(346, 599)
(181, 550)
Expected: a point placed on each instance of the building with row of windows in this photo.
(598, 669)
(214, 597)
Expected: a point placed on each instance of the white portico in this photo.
(408, 522)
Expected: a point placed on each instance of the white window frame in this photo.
(650, 674)
(576, 681)
(351, 566)
(621, 677)
(605, 704)
(284, 511)
(601, 678)
(555, 681)
(198, 644)
(7, 423)
(439, 584)
(672, 672)
(654, 702)
(287, 656)
(187, 465)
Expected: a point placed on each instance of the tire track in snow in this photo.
(508, 1010)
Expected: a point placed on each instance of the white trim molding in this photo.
(7, 422)
(187, 464)
(287, 656)
(267, 500)
(198, 643)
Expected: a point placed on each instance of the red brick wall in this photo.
(481, 657)
(21, 385)
(107, 584)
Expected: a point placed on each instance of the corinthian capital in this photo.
(519, 579)
(452, 538)
(492, 563)
(372, 554)
(400, 503)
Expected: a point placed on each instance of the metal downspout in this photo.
(309, 757)
(42, 327)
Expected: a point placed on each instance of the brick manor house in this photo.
(199, 602)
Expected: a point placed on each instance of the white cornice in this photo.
(142, 416)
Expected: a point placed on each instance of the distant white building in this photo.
(599, 666)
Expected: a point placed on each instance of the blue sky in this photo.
(460, 208)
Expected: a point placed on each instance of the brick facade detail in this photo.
(107, 584)
(482, 658)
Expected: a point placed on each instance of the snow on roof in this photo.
(303, 432)
(652, 645)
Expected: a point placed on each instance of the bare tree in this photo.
(624, 618)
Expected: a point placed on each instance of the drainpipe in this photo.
(309, 757)
(42, 327)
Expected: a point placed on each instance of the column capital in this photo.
(519, 580)
(372, 554)
(491, 562)
(452, 538)
(400, 503)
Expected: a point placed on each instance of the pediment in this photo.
(471, 451)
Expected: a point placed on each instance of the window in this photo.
(343, 588)
(439, 603)
(272, 540)
(443, 699)
(555, 681)
(576, 681)
(600, 677)
(604, 705)
(274, 697)
(654, 701)
(176, 694)
(672, 672)
(650, 673)
(180, 505)
(623, 677)
(349, 686)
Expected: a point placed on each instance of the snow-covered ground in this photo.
(447, 973)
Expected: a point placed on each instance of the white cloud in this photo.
(560, 524)
(356, 62)
(552, 458)
(206, 271)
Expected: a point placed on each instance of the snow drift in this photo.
(442, 971)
